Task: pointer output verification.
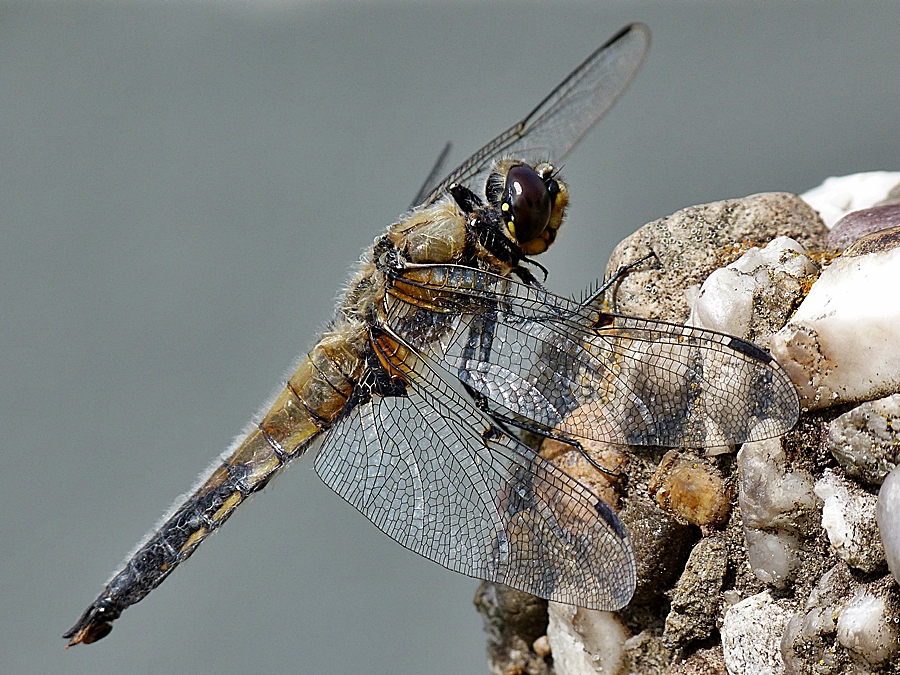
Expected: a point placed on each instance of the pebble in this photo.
(808, 639)
(774, 502)
(845, 626)
(867, 623)
(881, 240)
(887, 515)
(541, 647)
(585, 641)
(751, 635)
(848, 517)
(573, 462)
(661, 544)
(858, 224)
(754, 296)
(866, 440)
(691, 489)
(838, 196)
(773, 556)
(843, 343)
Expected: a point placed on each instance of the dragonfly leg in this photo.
(615, 278)
(504, 422)
(526, 276)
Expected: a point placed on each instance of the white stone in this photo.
(839, 195)
(866, 627)
(848, 517)
(866, 440)
(843, 343)
(585, 641)
(772, 500)
(751, 636)
(834, 494)
(887, 514)
(757, 288)
(769, 495)
(771, 555)
(807, 645)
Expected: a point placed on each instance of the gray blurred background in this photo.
(183, 187)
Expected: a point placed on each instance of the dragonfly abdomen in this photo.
(307, 406)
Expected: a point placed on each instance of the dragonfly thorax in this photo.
(435, 233)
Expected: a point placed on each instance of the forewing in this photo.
(562, 119)
(434, 474)
(433, 175)
(569, 369)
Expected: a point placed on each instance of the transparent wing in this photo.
(562, 119)
(436, 170)
(569, 368)
(433, 473)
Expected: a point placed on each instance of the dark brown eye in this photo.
(526, 203)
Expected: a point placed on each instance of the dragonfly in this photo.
(445, 347)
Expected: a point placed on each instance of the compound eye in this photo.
(526, 204)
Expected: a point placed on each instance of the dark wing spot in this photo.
(611, 519)
(749, 349)
(603, 321)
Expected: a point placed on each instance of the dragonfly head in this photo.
(531, 200)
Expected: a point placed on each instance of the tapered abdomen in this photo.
(308, 405)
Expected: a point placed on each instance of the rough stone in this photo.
(751, 636)
(646, 654)
(773, 540)
(866, 440)
(848, 516)
(695, 598)
(688, 245)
